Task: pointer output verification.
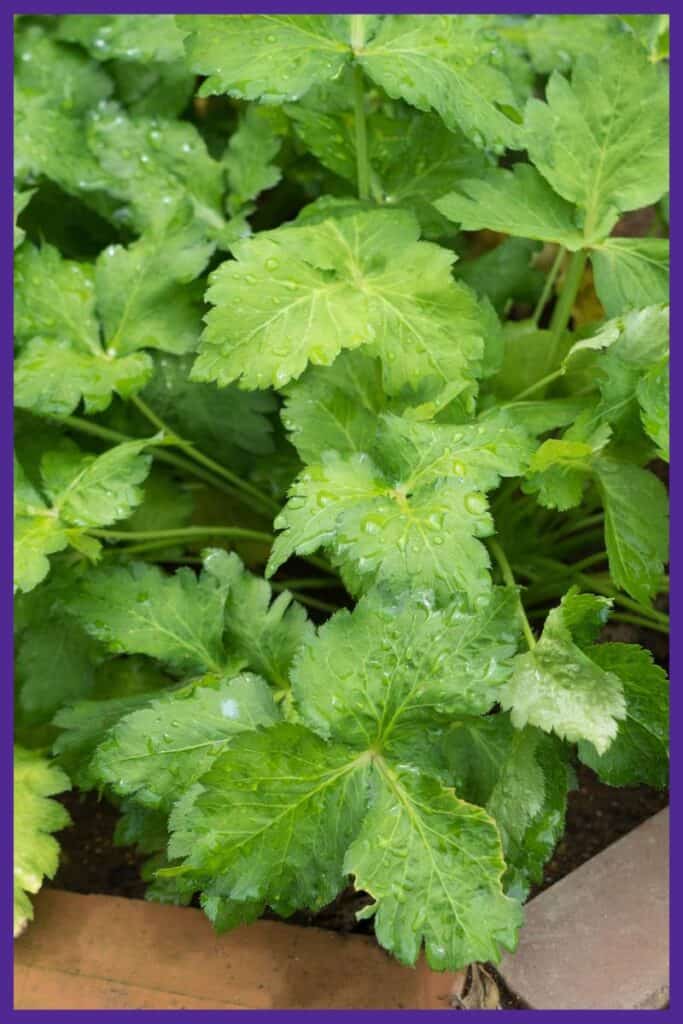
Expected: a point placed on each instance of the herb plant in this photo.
(342, 401)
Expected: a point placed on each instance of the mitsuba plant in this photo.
(433, 360)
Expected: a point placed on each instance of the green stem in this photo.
(636, 620)
(304, 583)
(184, 533)
(362, 161)
(159, 453)
(542, 383)
(563, 309)
(625, 602)
(591, 560)
(312, 602)
(581, 524)
(506, 572)
(237, 482)
(548, 285)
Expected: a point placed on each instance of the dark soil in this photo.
(598, 815)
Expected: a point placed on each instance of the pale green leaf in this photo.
(558, 688)
(62, 76)
(144, 297)
(301, 294)
(21, 201)
(639, 754)
(54, 297)
(248, 159)
(149, 89)
(36, 851)
(156, 164)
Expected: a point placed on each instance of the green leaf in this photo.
(84, 491)
(521, 777)
(266, 633)
(167, 503)
(444, 63)
(149, 89)
(653, 396)
(55, 659)
(414, 157)
(335, 408)
(433, 864)
(248, 159)
(223, 420)
(143, 37)
(156, 165)
(272, 58)
(515, 202)
(95, 490)
(21, 201)
(639, 754)
(504, 274)
(412, 510)
(558, 688)
(562, 467)
(52, 377)
(636, 526)
(591, 140)
(122, 685)
(392, 674)
(62, 360)
(138, 609)
(54, 297)
(144, 296)
(301, 294)
(155, 754)
(555, 41)
(273, 818)
(36, 852)
(631, 273)
(61, 76)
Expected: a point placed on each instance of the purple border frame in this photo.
(6, 428)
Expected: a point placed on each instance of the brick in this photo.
(599, 938)
(102, 952)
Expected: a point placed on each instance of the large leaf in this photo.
(301, 294)
(272, 819)
(433, 864)
(125, 36)
(36, 851)
(392, 674)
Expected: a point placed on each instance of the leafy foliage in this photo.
(362, 288)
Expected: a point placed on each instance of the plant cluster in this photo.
(348, 301)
